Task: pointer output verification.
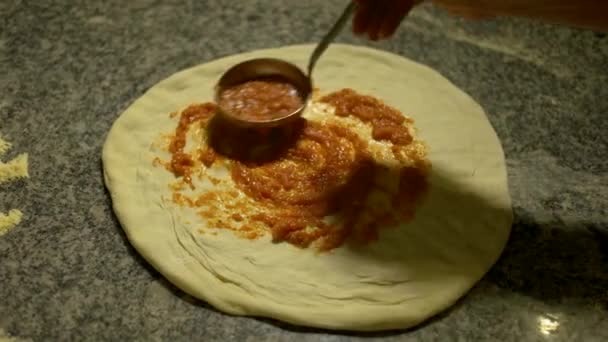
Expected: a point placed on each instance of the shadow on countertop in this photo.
(554, 261)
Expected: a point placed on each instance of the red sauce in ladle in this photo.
(261, 99)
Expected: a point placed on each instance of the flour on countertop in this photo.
(4, 146)
(12, 170)
(10, 220)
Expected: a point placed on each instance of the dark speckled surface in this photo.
(69, 68)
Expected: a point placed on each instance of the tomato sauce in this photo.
(324, 170)
(181, 162)
(261, 100)
(387, 123)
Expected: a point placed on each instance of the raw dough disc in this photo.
(411, 274)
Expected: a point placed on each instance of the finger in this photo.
(362, 17)
(380, 9)
(397, 11)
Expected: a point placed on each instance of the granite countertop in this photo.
(69, 68)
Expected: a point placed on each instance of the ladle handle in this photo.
(329, 37)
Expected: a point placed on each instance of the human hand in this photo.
(589, 14)
(379, 19)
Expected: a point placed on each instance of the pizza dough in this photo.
(410, 274)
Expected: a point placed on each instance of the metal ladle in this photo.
(271, 67)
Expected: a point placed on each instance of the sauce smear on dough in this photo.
(325, 171)
(260, 100)
(387, 122)
(181, 162)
